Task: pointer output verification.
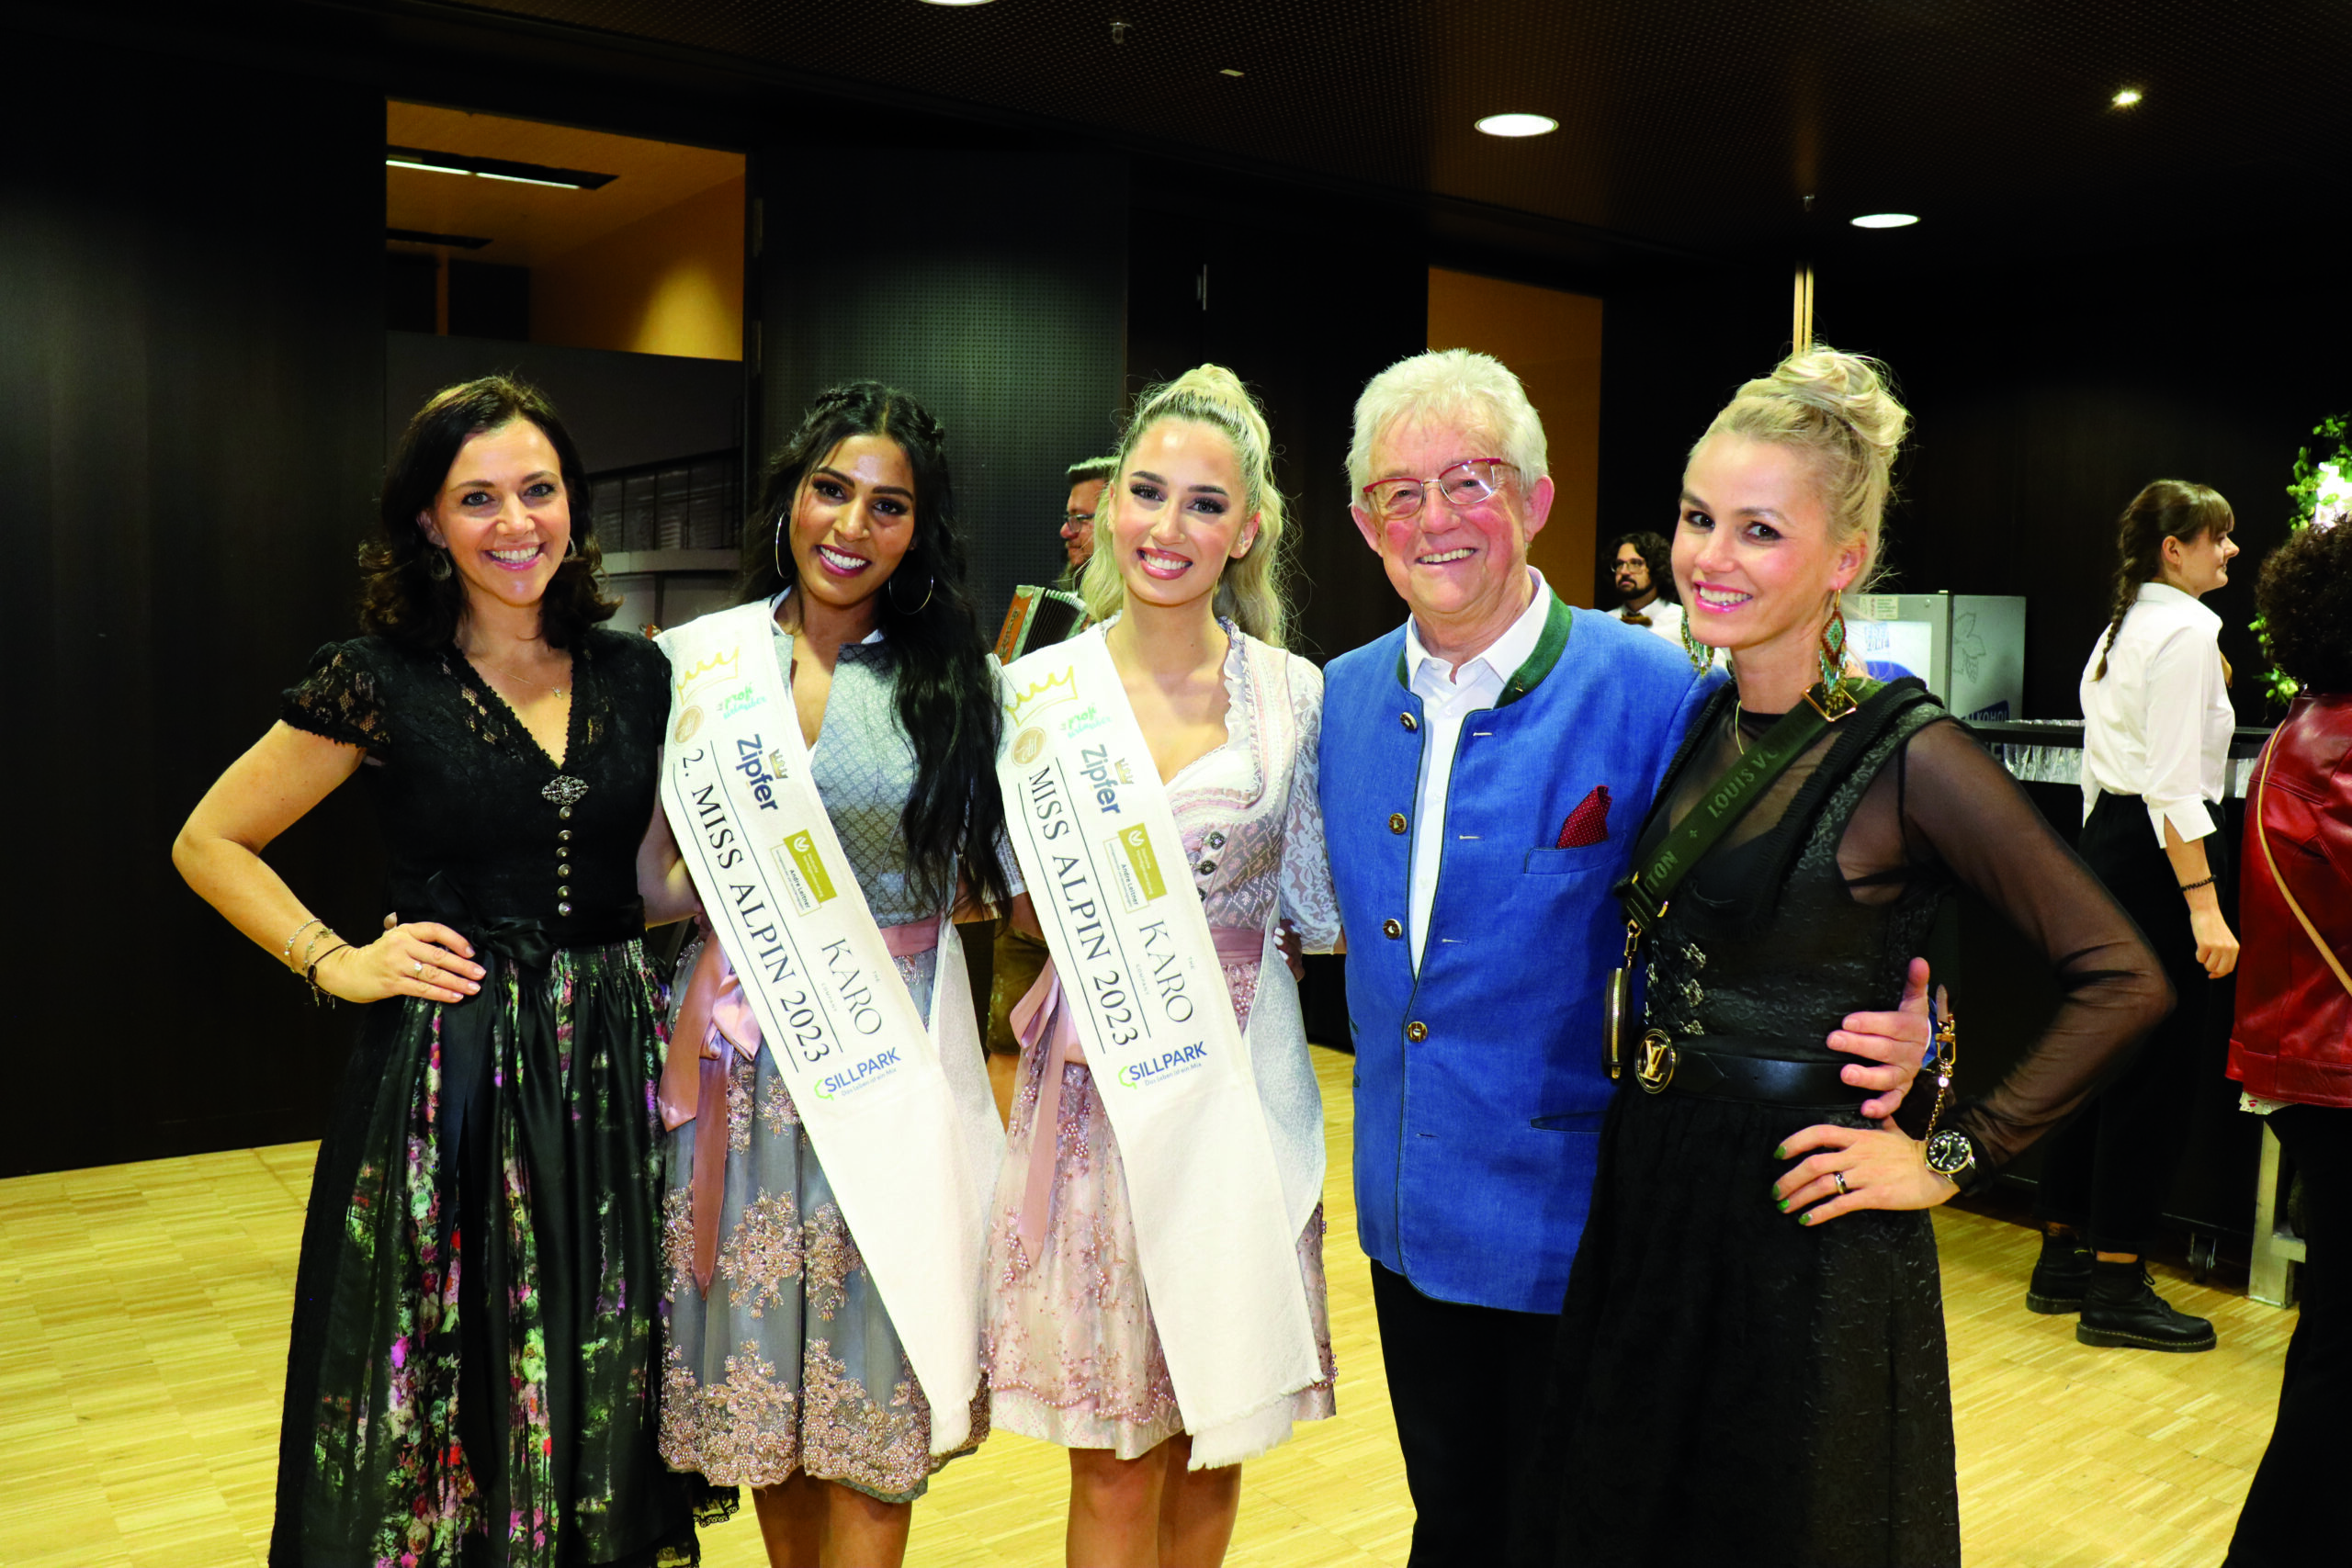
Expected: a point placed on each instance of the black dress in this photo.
(474, 1367)
(1730, 1386)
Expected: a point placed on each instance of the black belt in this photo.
(1705, 1067)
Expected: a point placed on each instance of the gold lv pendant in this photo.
(1654, 1068)
(1613, 1002)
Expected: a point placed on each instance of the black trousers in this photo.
(1466, 1384)
(2108, 1172)
(2294, 1514)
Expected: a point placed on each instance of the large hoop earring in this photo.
(931, 582)
(776, 550)
(437, 565)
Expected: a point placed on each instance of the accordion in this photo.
(1039, 618)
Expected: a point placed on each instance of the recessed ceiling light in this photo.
(2126, 98)
(1518, 125)
(1229, 71)
(1887, 221)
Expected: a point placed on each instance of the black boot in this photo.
(2121, 1307)
(2059, 1275)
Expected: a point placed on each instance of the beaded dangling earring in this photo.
(1831, 699)
(1833, 645)
(1698, 653)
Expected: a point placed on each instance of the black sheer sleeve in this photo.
(338, 698)
(1945, 802)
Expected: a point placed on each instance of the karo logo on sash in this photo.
(804, 871)
(1136, 866)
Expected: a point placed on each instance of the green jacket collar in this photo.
(1557, 622)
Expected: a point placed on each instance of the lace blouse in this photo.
(1941, 813)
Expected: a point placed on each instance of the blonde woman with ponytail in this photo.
(1750, 1363)
(2156, 722)
(1186, 581)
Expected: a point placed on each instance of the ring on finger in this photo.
(1839, 1177)
(418, 967)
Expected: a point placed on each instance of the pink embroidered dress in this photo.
(1073, 1357)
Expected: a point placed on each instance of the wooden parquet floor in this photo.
(142, 1338)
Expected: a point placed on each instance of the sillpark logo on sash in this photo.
(1136, 866)
(1167, 1065)
(804, 871)
(860, 1075)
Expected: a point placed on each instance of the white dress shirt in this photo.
(1666, 619)
(1451, 694)
(2158, 725)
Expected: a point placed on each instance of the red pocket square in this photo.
(1588, 823)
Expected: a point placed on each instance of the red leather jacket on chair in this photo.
(2293, 1039)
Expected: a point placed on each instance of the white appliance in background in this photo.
(1968, 648)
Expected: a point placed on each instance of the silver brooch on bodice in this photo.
(564, 790)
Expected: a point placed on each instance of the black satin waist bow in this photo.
(524, 941)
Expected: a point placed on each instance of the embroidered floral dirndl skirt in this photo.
(472, 1373)
(1073, 1357)
(790, 1364)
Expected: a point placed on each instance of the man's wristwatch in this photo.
(1951, 1155)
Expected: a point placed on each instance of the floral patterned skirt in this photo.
(790, 1364)
(471, 1377)
(1073, 1357)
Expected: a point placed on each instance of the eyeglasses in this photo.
(1467, 483)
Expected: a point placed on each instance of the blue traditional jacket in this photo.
(1480, 1083)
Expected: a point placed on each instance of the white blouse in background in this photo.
(2158, 725)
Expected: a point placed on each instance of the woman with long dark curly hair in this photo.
(2291, 1047)
(472, 1376)
(2156, 722)
(799, 1306)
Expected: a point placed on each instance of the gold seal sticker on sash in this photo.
(1145, 989)
(897, 1105)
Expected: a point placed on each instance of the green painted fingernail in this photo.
(1781, 1205)
(1781, 1151)
(1805, 1218)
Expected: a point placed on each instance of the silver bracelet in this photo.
(286, 957)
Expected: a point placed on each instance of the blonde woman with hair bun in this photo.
(1750, 1366)
(1187, 586)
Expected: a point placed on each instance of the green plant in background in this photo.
(2327, 472)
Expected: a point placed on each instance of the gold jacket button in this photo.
(1396, 823)
(1417, 1032)
(1391, 930)
(1408, 721)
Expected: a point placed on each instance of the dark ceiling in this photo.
(1699, 125)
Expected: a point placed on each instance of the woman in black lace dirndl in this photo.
(1750, 1367)
(474, 1373)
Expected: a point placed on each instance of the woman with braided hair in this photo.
(2156, 722)
(1107, 1231)
(807, 1275)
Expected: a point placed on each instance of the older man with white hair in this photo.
(1486, 767)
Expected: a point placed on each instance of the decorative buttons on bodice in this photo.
(566, 908)
(1408, 721)
(564, 812)
(1216, 840)
(564, 835)
(1417, 1032)
(1396, 823)
(1205, 867)
(1391, 930)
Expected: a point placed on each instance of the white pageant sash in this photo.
(1105, 867)
(897, 1107)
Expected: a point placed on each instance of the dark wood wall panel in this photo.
(191, 381)
(980, 296)
(1304, 321)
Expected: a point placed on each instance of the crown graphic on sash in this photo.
(1029, 700)
(719, 667)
